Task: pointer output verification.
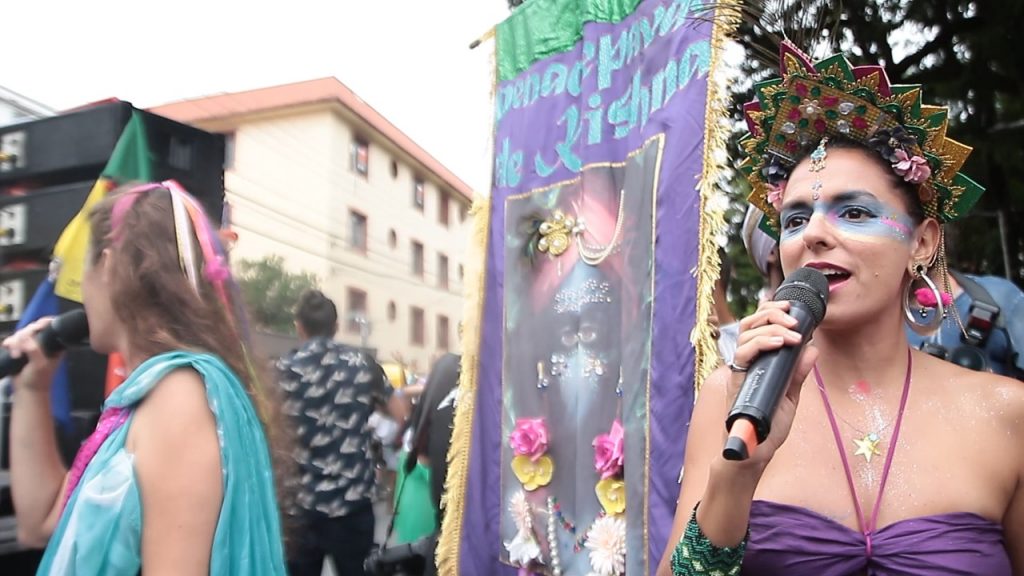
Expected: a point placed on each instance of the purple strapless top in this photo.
(795, 541)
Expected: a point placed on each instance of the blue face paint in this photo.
(856, 213)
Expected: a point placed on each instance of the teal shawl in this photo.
(100, 529)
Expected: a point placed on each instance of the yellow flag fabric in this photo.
(130, 161)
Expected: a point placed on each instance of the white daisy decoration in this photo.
(606, 541)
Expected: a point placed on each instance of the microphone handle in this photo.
(768, 378)
(10, 366)
(50, 342)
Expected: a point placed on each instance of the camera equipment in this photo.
(402, 560)
(982, 317)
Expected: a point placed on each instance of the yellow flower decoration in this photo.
(611, 492)
(533, 474)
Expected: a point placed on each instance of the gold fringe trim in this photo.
(712, 219)
(448, 549)
(450, 540)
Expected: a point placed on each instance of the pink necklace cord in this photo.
(110, 420)
(866, 528)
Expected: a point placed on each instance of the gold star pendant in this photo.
(867, 446)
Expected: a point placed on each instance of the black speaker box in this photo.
(64, 148)
(75, 147)
(41, 216)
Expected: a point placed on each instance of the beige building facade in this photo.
(316, 176)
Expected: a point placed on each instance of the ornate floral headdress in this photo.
(811, 101)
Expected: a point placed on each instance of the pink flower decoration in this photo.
(530, 438)
(608, 452)
(914, 169)
(925, 297)
(775, 192)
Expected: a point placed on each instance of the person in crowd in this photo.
(331, 390)
(763, 250)
(881, 459)
(432, 431)
(724, 320)
(177, 476)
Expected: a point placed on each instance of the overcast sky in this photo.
(409, 59)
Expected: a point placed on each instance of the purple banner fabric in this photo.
(620, 88)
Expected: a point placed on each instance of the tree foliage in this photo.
(271, 292)
(963, 53)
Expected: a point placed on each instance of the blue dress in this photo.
(100, 529)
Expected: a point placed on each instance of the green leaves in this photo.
(271, 292)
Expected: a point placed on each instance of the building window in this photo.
(356, 316)
(417, 328)
(394, 169)
(417, 259)
(462, 273)
(463, 212)
(442, 271)
(229, 150)
(419, 192)
(392, 311)
(443, 209)
(392, 238)
(357, 228)
(360, 157)
(442, 333)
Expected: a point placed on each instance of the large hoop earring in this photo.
(920, 272)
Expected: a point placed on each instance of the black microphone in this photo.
(768, 376)
(68, 329)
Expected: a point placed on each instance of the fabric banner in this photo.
(587, 328)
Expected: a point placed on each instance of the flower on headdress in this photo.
(611, 493)
(606, 541)
(810, 108)
(889, 142)
(608, 451)
(530, 438)
(914, 169)
(533, 474)
(775, 192)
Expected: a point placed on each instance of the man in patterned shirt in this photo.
(330, 391)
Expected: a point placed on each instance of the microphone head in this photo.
(807, 286)
(71, 328)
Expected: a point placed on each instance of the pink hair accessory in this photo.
(913, 169)
(925, 297)
(216, 271)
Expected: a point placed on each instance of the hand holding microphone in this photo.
(778, 340)
(41, 342)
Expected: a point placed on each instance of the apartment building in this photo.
(315, 175)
